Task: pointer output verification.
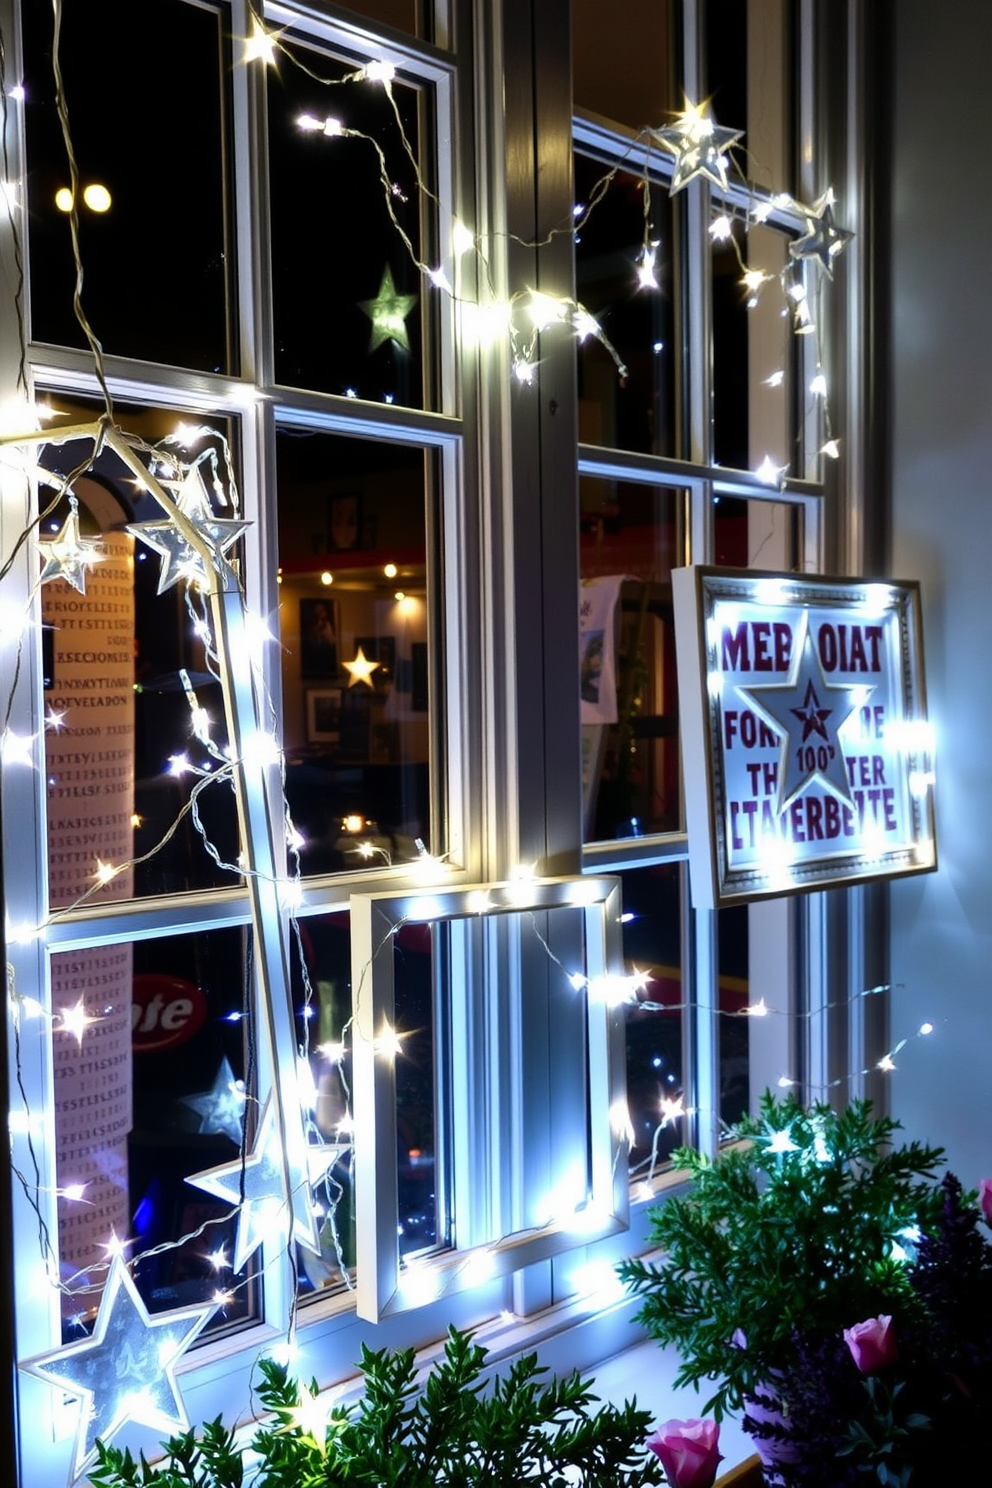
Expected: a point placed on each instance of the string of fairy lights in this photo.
(269, 1186)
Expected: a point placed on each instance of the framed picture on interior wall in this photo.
(323, 715)
(344, 522)
(318, 638)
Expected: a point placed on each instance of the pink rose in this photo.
(985, 1198)
(688, 1452)
(872, 1344)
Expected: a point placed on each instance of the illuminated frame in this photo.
(808, 756)
(374, 920)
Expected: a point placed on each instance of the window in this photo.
(316, 834)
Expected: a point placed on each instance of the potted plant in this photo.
(457, 1428)
(818, 1278)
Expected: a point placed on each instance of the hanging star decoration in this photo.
(388, 313)
(822, 240)
(263, 1215)
(126, 1371)
(699, 145)
(808, 712)
(360, 670)
(180, 559)
(222, 1107)
(67, 555)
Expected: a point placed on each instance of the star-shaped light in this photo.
(388, 313)
(76, 1020)
(699, 145)
(823, 239)
(264, 1215)
(67, 555)
(180, 559)
(360, 670)
(222, 1107)
(780, 1142)
(260, 46)
(127, 1370)
(807, 711)
(15, 749)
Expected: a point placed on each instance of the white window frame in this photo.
(496, 445)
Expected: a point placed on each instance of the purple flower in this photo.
(688, 1452)
(985, 1198)
(872, 1344)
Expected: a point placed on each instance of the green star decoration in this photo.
(822, 240)
(127, 1370)
(180, 559)
(388, 313)
(699, 146)
(67, 555)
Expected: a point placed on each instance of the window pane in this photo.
(652, 946)
(148, 1093)
(749, 72)
(632, 84)
(354, 628)
(635, 411)
(732, 953)
(122, 666)
(754, 354)
(158, 259)
(347, 297)
(631, 538)
(325, 1030)
(756, 534)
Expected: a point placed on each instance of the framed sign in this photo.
(808, 757)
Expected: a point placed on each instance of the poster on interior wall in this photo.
(807, 752)
(597, 625)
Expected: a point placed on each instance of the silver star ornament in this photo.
(823, 240)
(126, 1371)
(699, 145)
(67, 555)
(180, 560)
(264, 1215)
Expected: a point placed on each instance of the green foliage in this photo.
(767, 1241)
(459, 1430)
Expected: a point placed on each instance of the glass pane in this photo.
(348, 298)
(652, 945)
(403, 14)
(732, 966)
(749, 47)
(354, 629)
(756, 534)
(629, 84)
(156, 247)
(635, 411)
(631, 538)
(323, 996)
(754, 353)
(149, 1092)
(122, 666)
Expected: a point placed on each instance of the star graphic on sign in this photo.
(699, 145)
(360, 670)
(127, 1370)
(808, 712)
(822, 240)
(222, 1107)
(67, 555)
(388, 313)
(264, 1214)
(180, 560)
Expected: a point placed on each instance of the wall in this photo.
(942, 534)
